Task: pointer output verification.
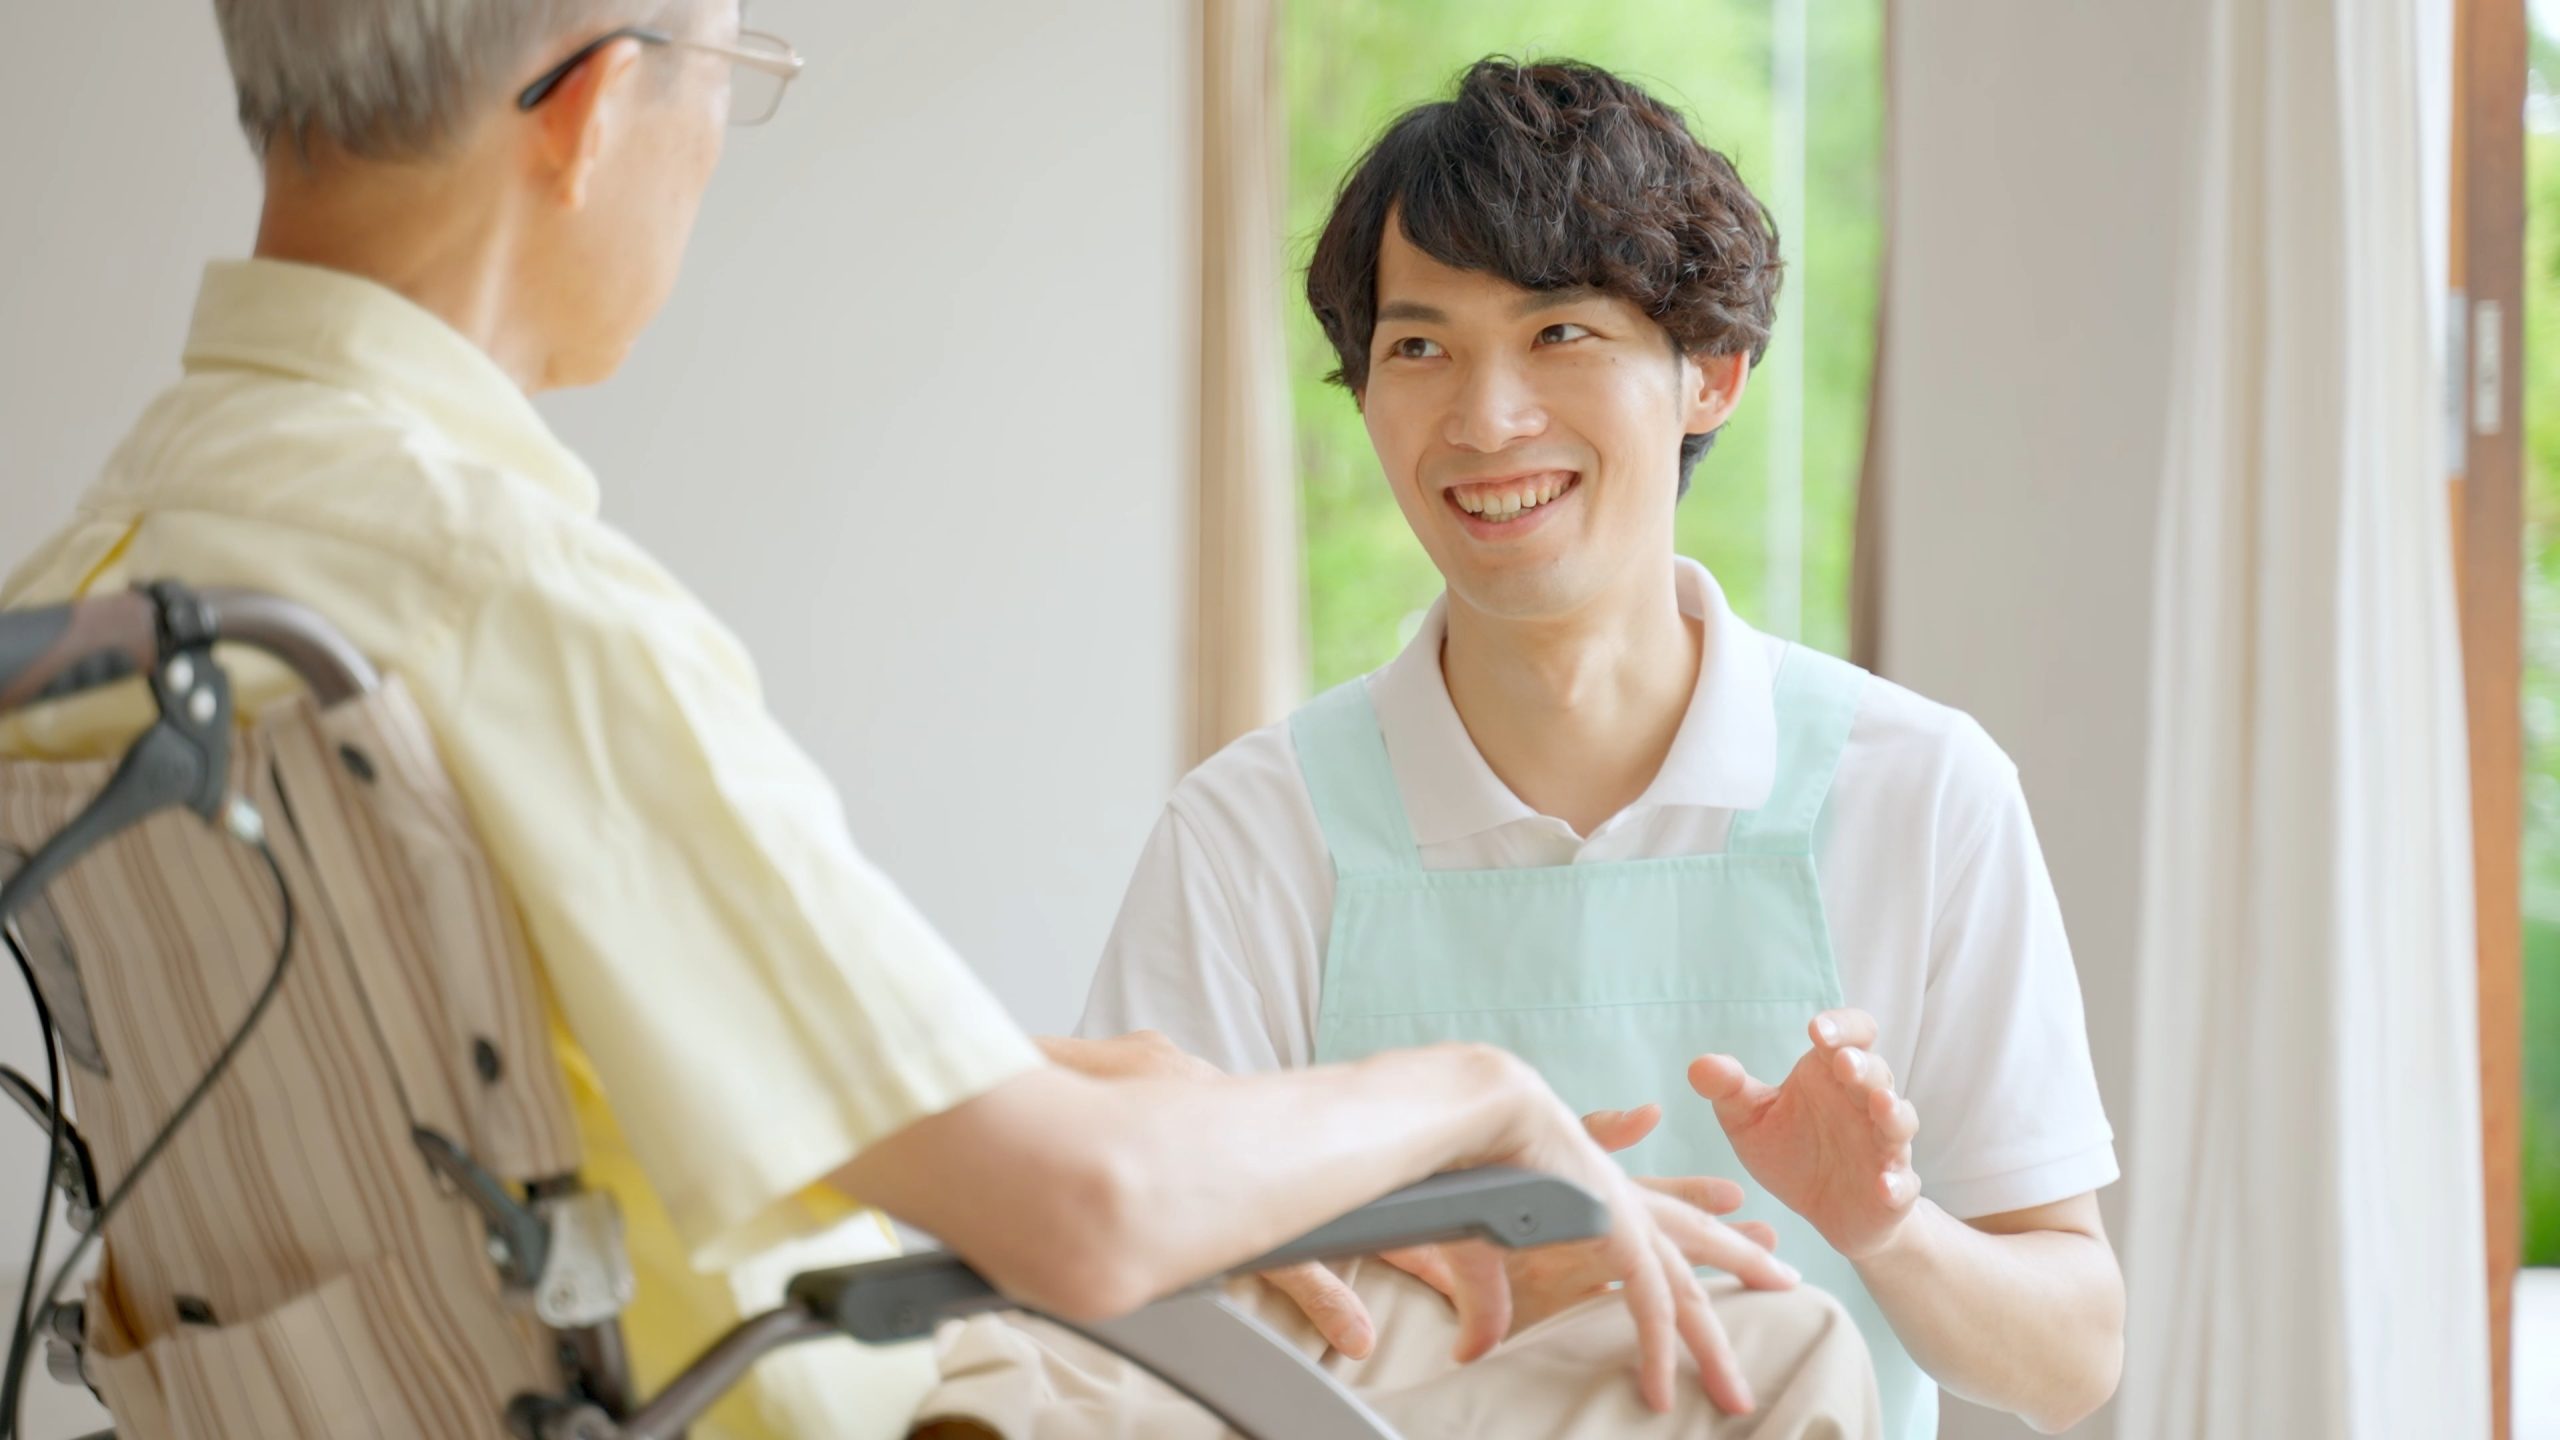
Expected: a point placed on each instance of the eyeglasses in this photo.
(761, 67)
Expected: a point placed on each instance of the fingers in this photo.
(1647, 1281)
(1834, 1028)
(1722, 1079)
(1895, 1119)
(1718, 1077)
(1701, 1239)
(1719, 1370)
(1481, 1289)
(1426, 1264)
(1329, 1305)
(1758, 1233)
(1861, 1069)
(1707, 1192)
(1615, 1130)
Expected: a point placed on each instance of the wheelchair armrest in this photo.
(906, 1298)
(1515, 1209)
(882, 1302)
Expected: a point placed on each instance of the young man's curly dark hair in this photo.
(1555, 175)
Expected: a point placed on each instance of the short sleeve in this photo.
(759, 1002)
(1175, 962)
(2010, 1115)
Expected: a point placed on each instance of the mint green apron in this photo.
(1609, 977)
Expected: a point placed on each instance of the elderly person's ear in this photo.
(580, 116)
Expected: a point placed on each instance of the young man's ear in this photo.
(1710, 387)
(578, 118)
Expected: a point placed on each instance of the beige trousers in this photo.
(1572, 1374)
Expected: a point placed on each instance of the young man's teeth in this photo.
(1498, 508)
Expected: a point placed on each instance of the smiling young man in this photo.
(1592, 816)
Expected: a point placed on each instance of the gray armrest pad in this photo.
(887, 1301)
(1515, 1209)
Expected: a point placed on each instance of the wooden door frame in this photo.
(2487, 261)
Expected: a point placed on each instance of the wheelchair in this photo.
(322, 1141)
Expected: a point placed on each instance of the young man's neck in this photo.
(1576, 713)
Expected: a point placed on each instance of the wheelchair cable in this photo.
(22, 1322)
(20, 1344)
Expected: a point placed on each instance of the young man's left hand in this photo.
(1832, 1141)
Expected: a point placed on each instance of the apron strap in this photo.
(1343, 756)
(1817, 701)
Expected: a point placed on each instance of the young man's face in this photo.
(1532, 438)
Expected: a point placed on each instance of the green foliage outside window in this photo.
(2542, 660)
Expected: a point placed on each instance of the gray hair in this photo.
(391, 78)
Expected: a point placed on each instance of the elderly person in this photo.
(471, 201)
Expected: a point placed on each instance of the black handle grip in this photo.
(27, 636)
(65, 649)
(904, 1298)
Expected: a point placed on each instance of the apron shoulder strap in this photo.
(1343, 756)
(1817, 702)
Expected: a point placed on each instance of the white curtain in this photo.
(2305, 1250)
(1249, 645)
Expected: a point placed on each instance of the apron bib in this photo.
(1609, 978)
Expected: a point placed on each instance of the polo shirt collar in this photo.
(1724, 755)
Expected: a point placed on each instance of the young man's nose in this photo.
(1494, 407)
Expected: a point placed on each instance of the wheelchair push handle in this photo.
(62, 650)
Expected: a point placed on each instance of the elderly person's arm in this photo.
(1090, 1196)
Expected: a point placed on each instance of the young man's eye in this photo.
(1414, 347)
(1562, 332)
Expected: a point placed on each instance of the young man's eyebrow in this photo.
(1553, 299)
(1413, 310)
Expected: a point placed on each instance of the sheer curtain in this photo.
(1249, 658)
(2305, 1246)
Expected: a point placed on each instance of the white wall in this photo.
(915, 424)
(2037, 159)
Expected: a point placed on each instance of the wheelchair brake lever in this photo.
(518, 1240)
(184, 759)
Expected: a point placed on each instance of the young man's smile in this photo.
(1510, 507)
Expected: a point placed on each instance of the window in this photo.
(2541, 1118)
(1772, 510)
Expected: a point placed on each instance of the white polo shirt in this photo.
(1943, 920)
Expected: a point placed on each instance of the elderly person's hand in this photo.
(1551, 1278)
